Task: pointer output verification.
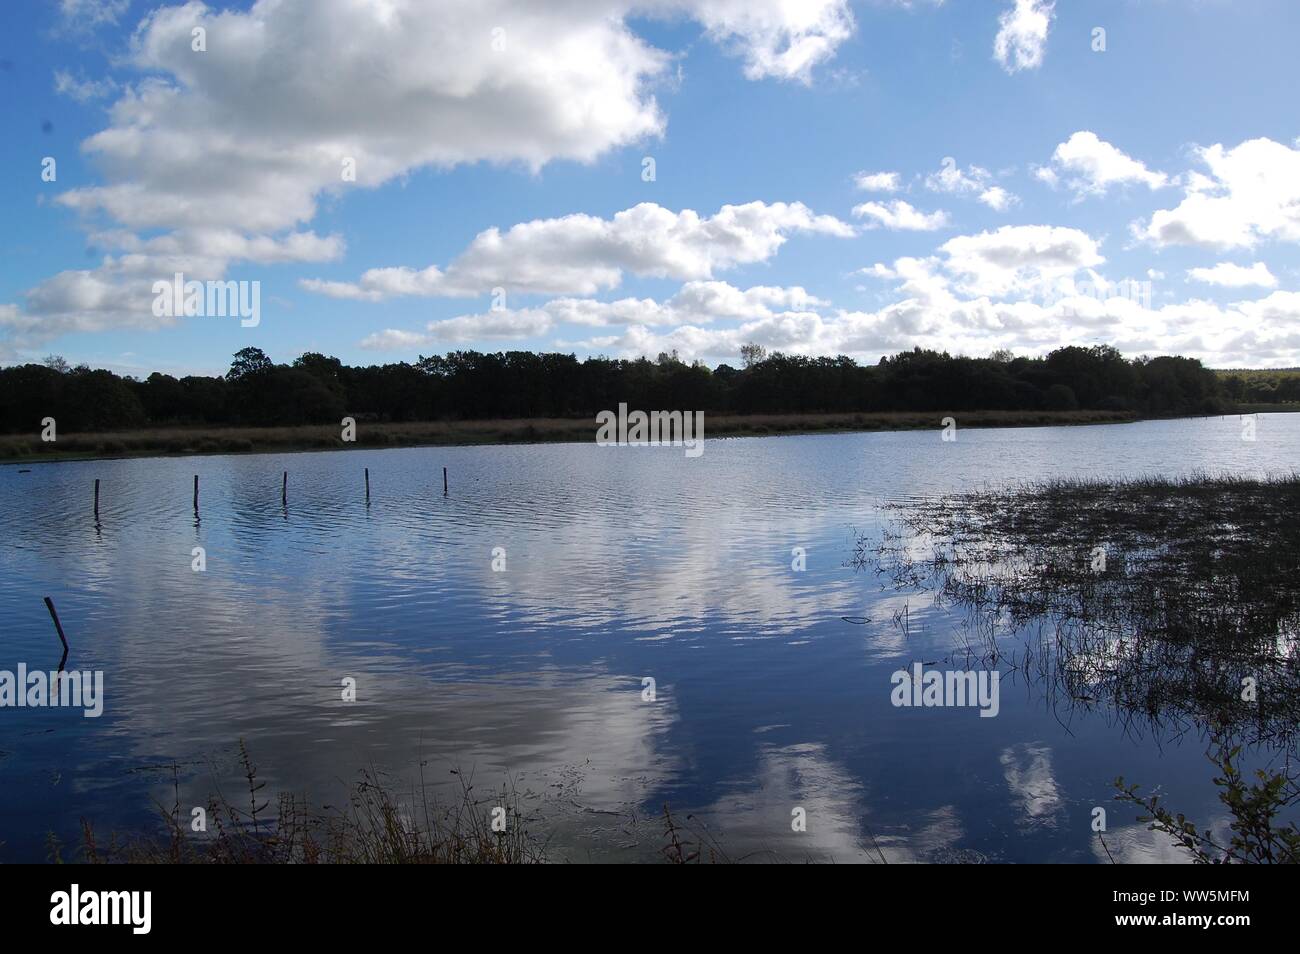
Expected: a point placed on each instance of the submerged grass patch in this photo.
(1170, 599)
(1172, 603)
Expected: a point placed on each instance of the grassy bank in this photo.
(234, 440)
(1260, 408)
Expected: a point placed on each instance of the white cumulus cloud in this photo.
(900, 215)
(1252, 193)
(877, 181)
(1230, 275)
(585, 254)
(1022, 34)
(1019, 258)
(1093, 166)
(248, 135)
(695, 303)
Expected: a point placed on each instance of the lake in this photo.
(620, 564)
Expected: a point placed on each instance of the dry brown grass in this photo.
(155, 442)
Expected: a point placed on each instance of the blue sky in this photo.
(1043, 192)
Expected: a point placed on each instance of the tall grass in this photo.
(376, 826)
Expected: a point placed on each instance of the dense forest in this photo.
(1278, 386)
(520, 384)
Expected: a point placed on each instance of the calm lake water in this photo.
(620, 564)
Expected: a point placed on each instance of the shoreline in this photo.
(202, 440)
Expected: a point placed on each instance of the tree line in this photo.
(317, 389)
(1281, 386)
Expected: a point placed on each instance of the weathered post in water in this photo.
(444, 481)
(284, 489)
(49, 605)
(196, 493)
(367, 483)
(96, 499)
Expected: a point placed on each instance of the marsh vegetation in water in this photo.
(1170, 604)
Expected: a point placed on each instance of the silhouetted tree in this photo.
(248, 361)
(752, 354)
